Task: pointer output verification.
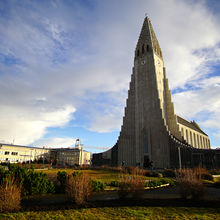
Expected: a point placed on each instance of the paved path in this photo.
(160, 193)
(165, 196)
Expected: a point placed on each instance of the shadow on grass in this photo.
(35, 206)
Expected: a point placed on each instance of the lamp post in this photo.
(179, 155)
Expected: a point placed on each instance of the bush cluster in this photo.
(207, 176)
(78, 188)
(114, 183)
(134, 171)
(215, 172)
(98, 186)
(10, 194)
(154, 183)
(190, 184)
(153, 174)
(61, 177)
(31, 182)
(169, 173)
(131, 185)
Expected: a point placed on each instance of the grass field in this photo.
(103, 175)
(117, 209)
(133, 212)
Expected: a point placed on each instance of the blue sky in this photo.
(65, 66)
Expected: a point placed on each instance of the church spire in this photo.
(147, 40)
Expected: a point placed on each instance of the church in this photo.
(151, 133)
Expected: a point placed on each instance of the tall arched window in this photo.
(187, 138)
(138, 53)
(148, 48)
(201, 142)
(204, 142)
(194, 138)
(143, 49)
(191, 141)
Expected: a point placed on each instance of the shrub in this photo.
(215, 172)
(61, 177)
(153, 174)
(207, 176)
(190, 184)
(32, 182)
(134, 171)
(169, 173)
(98, 186)
(166, 180)
(133, 185)
(37, 183)
(76, 173)
(130, 170)
(10, 195)
(78, 188)
(154, 183)
(114, 183)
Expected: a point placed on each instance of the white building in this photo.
(17, 153)
(10, 153)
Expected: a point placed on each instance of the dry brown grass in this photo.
(131, 185)
(135, 171)
(78, 188)
(190, 183)
(10, 195)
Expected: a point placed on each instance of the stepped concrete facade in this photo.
(150, 126)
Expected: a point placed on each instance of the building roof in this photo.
(190, 124)
(51, 149)
(12, 145)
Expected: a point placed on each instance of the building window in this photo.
(191, 142)
(147, 48)
(204, 142)
(194, 138)
(187, 139)
(198, 141)
(201, 142)
(138, 53)
(6, 152)
(182, 132)
(14, 153)
(143, 49)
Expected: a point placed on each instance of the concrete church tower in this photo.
(149, 114)
(151, 131)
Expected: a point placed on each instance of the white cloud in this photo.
(55, 142)
(202, 104)
(67, 55)
(184, 30)
(25, 125)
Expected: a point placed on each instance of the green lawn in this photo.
(154, 213)
(103, 175)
